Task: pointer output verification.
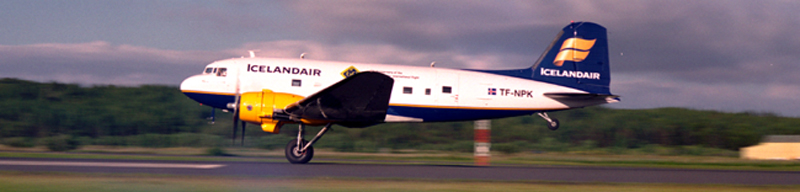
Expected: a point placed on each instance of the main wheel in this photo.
(553, 125)
(294, 155)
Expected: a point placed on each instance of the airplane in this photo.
(573, 72)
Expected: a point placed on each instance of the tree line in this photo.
(107, 114)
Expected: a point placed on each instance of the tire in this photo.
(553, 125)
(295, 157)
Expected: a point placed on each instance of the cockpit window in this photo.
(209, 70)
(222, 72)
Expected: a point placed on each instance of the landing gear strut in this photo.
(552, 123)
(300, 151)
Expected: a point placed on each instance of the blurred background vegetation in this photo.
(67, 116)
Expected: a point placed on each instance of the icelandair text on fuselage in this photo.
(284, 70)
(570, 74)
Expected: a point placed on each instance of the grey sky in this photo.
(717, 55)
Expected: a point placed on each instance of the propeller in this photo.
(243, 123)
(237, 103)
(236, 121)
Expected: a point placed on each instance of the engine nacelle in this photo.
(259, 108)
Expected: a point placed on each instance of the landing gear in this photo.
(294, 153)
(299, 151)
(552, 123)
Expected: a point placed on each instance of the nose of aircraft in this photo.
(192, 87)
(189, 83)
(206, 91)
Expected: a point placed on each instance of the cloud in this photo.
(723, 55)
(787, 92)
(101, 63)
(379, 53)
(104, 63)
(699, 41)
(656, 90)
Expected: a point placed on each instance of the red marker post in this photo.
(482, 144)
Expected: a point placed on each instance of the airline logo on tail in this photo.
(573, 49)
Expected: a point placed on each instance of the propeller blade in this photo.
(243, 124)
(235, 119)
(235, 122)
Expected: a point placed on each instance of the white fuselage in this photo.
(419, 93)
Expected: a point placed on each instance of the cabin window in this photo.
(447, 89)
(296, 82)
(209, 70)
(407, 90)
(222, 72)
(428, 91)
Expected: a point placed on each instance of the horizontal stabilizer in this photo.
(363, 97)
(583, 97)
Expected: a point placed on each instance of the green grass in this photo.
(17, 181)
(22, 181)
(419, 157)
(653, 161)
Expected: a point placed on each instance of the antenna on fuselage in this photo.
(433, 64)
(253, 53)
(302, 55)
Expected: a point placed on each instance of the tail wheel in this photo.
(295, 156)
(553, 125)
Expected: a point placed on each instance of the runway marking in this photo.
(110, 164)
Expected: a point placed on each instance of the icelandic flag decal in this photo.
(492, 91)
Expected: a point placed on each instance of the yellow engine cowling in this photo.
(257, 107)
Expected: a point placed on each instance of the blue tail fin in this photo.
(577, 58)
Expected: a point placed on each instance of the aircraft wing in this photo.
(360, 99)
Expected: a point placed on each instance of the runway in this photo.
(361, 170)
